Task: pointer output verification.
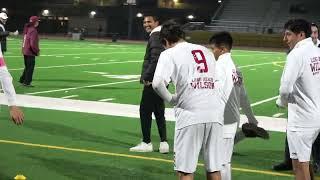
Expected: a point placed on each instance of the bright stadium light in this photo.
(45, 12)
(139, 15)
(3, 9)
(219, 1)
(190, 17)
(175, 1)
(92, 14)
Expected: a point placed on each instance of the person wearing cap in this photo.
(30, 49)
(3, 32)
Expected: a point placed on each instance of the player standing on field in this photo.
(235, 96)
(299, 91)
(198, 106)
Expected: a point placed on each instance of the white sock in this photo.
(226, 172)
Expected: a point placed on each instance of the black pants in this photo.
(152, 102)
(29, 63)
(315, 152)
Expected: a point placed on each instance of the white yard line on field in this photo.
(78, 65)
(71, 96)
(277, 115)
(115, 109)
(261, 64)
(105, 100)
(264, 101)
(82, 87)
(79, 54)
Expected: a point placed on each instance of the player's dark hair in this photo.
(222, 39)
(155, 17)
(298, 25)
(171, 31)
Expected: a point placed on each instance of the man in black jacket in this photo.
(150, 101)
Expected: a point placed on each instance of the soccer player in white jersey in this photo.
(233, 93)
(198, 106)
(299, 91)
(6, 83)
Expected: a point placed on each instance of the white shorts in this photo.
(190, 140)
(300, 143)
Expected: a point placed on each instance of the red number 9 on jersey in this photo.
(203, 67)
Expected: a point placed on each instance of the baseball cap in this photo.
(33, 19)
(3, 15)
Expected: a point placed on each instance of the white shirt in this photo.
(191, 68)
(6, 82)
(300, 86)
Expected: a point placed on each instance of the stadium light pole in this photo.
(130, 4)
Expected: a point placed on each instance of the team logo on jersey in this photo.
(315, 65)
(236, 77)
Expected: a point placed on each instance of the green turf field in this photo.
(58, 145)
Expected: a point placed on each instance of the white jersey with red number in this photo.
(6, 82)
(192, 70)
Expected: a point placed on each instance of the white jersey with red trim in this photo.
(192, 70)
(6, 82)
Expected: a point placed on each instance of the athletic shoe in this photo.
(164, 147)
(142, 147)
(282, 167)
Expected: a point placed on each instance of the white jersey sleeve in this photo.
(292, 70)
(165, 67)
(7, 86)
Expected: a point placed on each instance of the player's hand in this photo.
(16, 33)
(279, 104)
(16, 114)
(174, 100)
(147, 83)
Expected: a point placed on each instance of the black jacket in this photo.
(153, 51)
(3, 37)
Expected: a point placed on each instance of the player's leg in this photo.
(23, 75)
(287, 163)
(145, 121)
(159, 109)
(300, 145)
(187, 146)
(316, 154)
(212, 150)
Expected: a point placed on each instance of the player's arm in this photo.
(162, 78)
(4, 33)
(155, 48)
(290, 74)
(245, 105)
(9, 91)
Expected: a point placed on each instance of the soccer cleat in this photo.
(142, 147)
(282, 167)
(164, 147)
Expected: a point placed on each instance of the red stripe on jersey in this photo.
(2, 63)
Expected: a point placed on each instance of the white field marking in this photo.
(275, 70)
(260, 52)
(76, 57)
(105, 100)
(59, 56)
(261, 64)
(53, 55)
(71, 96)
(277, 64)
(112, 60)
(78, 65)
(94, 72)
(264, 101)
(277, 115)
(121, 76)
(253, 69)
(95, 59)
(115, 109)
(82, 87)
